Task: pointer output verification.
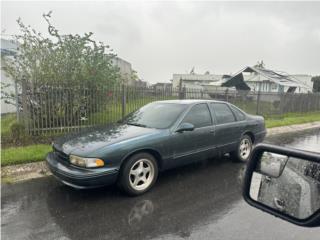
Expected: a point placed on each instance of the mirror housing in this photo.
(250, 174)
(185, 127)
(272, 164)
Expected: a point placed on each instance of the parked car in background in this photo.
(156, 137)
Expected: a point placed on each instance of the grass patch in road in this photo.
(7, 180)
(18, 155)
(292, 118)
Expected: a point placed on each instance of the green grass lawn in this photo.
(6, 122)
(17, 155)
(37, 152)
(292, 118)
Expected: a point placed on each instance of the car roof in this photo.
(189, 101)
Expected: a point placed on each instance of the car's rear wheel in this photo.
(138, 174)
(244, 149)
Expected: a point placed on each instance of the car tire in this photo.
(138, 174)
(244, 149)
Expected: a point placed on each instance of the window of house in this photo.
(274, 86)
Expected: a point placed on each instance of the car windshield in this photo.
(156, 115)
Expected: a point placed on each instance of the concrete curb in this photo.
(293, 128)
(21, 172)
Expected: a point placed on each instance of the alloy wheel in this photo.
(141, 174)
(245, 148)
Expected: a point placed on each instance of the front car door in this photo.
(227, 129)
(194, 145)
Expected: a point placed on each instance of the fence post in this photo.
(227, 95)
(258, 102)
(123, 101)
(184, 90)
(17, 100)
(281, 104)
(180, 89)
(25, 105)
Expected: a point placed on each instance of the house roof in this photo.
(280, 78)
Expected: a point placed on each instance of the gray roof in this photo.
(280, 78)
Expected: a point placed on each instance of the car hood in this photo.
(85, 142)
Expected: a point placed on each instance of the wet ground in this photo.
(199, 201)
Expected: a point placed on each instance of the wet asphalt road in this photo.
(199, 201)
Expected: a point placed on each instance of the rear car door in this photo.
(194, 145)
(227, 129)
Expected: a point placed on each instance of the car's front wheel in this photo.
(243, 152)
(138, 174)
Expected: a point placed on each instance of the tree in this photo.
(316, 83)
(68, 60)
(70, 66)
(134, 75)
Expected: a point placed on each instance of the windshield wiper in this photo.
(137, 124)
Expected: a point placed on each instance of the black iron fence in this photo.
(56, 109)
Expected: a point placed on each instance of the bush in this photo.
(68, 68)
(18, 132)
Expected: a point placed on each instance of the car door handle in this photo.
(212, 131)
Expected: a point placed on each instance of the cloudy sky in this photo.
(162, 38)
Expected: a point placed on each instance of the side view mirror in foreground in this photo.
(284, 182)
(185, 127)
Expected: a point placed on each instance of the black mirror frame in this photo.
(314, 219)
(184, 130)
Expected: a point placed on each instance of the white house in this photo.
(266, 80)
(125, 69)
(305, 79)
(8, 48)
(194, 80)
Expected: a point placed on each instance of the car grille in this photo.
(61, 155)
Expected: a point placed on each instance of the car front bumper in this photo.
(78, 177)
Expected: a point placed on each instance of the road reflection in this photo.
(183, 199)
(202, 201)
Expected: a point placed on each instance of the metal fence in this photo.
(54, 109)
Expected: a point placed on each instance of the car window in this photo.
(156, 115)
(239, 115)
(222, 112)
(199, 116)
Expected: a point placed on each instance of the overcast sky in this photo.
(162, 38)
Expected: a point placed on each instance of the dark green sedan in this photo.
(156, 137)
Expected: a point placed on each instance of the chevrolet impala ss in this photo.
(158, 136)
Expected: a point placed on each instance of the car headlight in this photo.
(86, 162)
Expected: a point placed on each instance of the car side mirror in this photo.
(185, 127)
(284, 182)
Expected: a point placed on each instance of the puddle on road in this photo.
(308, 140)
(309, 143)
(195, 201)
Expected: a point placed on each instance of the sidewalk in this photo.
(15, 173)
(293, 128)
